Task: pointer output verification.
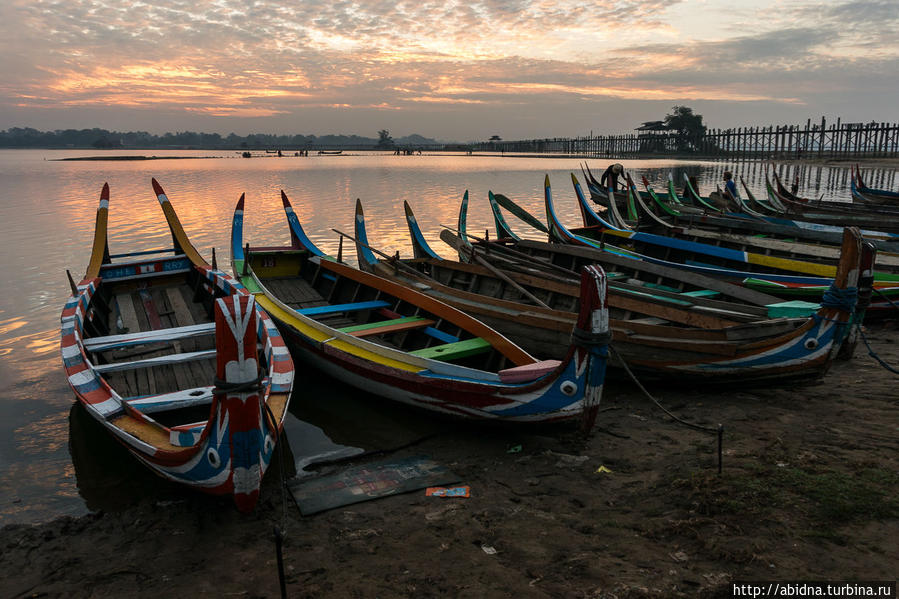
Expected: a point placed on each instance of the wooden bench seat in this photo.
(338, 308)
(100, 344)
(157, 361)
(170, 401)
(452, 351)
(428, 330)
(387, 326)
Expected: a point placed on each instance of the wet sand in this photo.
(636, 509)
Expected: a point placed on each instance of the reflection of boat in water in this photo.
(110, 479)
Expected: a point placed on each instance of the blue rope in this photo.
(840, 299)
(873, 354)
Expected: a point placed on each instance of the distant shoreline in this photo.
(132, 158)
(833, 162)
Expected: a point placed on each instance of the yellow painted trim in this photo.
(99, 247)
(315, 334)
(175, 224)
(822, 270)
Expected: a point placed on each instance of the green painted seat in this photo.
(452, 351)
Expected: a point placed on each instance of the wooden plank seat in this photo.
(101, 344)
(338, 308)
(157, 361)
(452, 351)
(428, 330)
(387, 326)
(149, 404)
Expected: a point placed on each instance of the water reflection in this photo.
(47, 219)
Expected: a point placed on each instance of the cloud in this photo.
(241, 61)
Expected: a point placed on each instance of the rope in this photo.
(840, 299)
(224, 387)
(884, 296)
(589, 339)
(280, 531)
(698, 427)
(872, 353)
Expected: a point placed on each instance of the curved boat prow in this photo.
(180, 239)
(589, 216)
(672, 193)
(462, 229)
(237, 253)
(503, 230)
(298, 237)
(638, 200)
(696, 198)
(420, 247)
(364, 255)
(520, 213)
(558, 233)
(100, 248)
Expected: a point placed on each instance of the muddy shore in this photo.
(636, 509)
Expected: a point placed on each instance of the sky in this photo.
(452, 70)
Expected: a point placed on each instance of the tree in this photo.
(688, 127)
(384, 139)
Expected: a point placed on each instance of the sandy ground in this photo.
(807, 491)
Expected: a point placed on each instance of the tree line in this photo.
(26, 137)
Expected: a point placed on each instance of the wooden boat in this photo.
(790, 279)
(730, 233)
(865, 193)
(663, 332)
(885, 218)
(395, 342)
(178, 362)
(749, 229)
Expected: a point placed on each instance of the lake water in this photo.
(54, 462)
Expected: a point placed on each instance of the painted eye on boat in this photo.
(269, 444)
(568, 388)
(811, 343)
(213, 456)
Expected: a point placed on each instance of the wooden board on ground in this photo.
(367, 482)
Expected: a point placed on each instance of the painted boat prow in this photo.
(588, 215)
(100, 246)
(503, 230)
(180, 239)
(363, 248)
(420, 247)
(237, 248)
(520, 213)
(298, 237)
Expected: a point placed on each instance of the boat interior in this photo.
(307, 285)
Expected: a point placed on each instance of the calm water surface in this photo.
(51, 461)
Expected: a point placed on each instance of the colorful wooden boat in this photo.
(178, 362)
(395, 342)
(808, 282)
(880, 218)
(660, 331)
(874, 195)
